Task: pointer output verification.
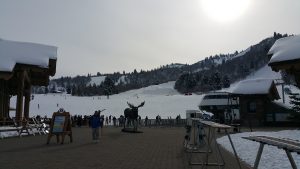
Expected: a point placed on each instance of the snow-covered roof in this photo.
(253, 86)
(285, 49)
(12, 52)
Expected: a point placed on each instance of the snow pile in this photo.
(253, 86)
(272, 157)
(12, 52)
(285, 49)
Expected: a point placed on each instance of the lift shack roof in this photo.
(38, 60)
(285, 53)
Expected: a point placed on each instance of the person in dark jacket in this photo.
(95, 124)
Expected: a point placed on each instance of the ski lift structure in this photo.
(223, 105)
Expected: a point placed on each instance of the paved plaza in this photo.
(155, 148)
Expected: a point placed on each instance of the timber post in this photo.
(27, 102)
(19, 104)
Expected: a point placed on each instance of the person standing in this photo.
(95, 124)
(106, 120)
(114, 121)
(146, 121)
(101, 124)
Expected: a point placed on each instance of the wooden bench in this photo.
(7, 126)
(236, 127)
(286, 144)
(7, 129)
(210, 142)
(12, 125)
(40, 127)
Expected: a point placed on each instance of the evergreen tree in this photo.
(109, 86)
(215, 81)
(295, 101)
(287, 78)
(69, 89)
(46, 90)
(226, 81)
(74, 90)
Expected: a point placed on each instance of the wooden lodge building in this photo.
(23, 65)
(256, 103)
(285, 55)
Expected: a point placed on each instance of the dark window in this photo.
(252, 107)
(215, 97)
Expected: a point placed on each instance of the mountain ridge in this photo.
(211, 73)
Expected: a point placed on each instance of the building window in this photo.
(252, 107)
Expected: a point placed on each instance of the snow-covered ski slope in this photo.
(160, 99)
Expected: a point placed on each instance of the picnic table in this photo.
(210, 138)
(287, 145)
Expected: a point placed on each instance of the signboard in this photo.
(60, 126)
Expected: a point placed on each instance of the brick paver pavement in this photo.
(155, 148)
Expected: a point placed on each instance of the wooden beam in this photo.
(27, 78)
(27, 101)
(2, 102)
(6, 75)
(4, 99)
(19, 104)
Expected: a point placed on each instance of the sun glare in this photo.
(224, 10)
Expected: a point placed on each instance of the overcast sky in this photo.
(114, 35)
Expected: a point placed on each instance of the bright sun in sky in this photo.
(224, 10)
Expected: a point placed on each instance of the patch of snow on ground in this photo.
(272, 157)
(97, 80)
(14, 133)
(241, 53)
(166, 89)
(218, 61)
(121, 79)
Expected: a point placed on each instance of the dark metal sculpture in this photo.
(131, 115)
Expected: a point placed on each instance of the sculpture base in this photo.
(130, 130)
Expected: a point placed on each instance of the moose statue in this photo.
(131, 115)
